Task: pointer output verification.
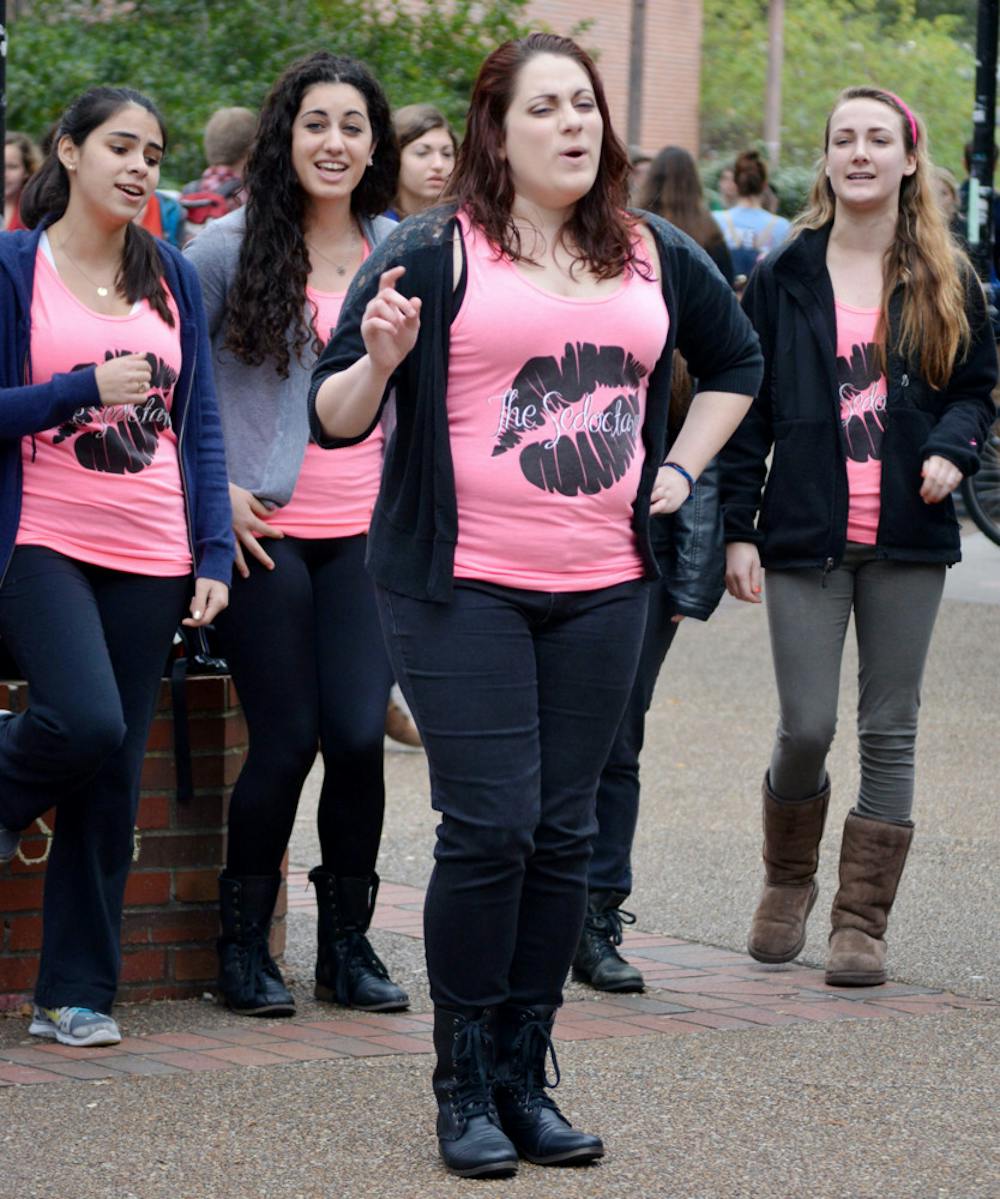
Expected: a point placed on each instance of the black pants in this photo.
(518, 695)
(305, 649)
(92, 644)
(618, 789)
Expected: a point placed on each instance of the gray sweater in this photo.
(265, 419)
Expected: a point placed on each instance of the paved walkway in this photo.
(725, 1080)
(690, 988)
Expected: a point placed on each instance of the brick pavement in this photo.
(691, 988)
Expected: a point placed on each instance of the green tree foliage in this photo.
(193, 56)
(829, 45)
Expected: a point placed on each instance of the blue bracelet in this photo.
(681, 471)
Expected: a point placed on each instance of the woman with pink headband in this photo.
(879, 368)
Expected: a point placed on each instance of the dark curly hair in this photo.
(266, 318)
(599, 229)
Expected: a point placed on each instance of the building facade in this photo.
(671, 52)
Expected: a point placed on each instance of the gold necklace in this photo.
(101, 290)
(339, 267)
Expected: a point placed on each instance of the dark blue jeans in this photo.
(517, 695)
(92, 644)
(305, 649)
(618, 789)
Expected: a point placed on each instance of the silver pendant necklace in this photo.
(340, 268)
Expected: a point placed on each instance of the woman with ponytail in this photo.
(879, 368)
(114, 509)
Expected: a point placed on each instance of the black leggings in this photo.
(305, 649)
(92, 644)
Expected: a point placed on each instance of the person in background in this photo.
(302, 636)
(115, 509)
(674, 191)
(21, 159)
(946, 194)
(427, 149)
(640, 162)
(726, 187)
(750, 230)
(510, 541)
(228, 136)
(690, 552)
(963, 210)
(879, 370)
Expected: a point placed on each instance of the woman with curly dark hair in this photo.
(528, 331)
(303, 644)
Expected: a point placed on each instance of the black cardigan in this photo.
(803, 512)
(411, 542)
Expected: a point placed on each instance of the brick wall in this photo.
(672, 70)
(171, 913)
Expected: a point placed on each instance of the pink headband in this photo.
(906, 113)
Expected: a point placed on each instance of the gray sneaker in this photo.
(9, 840)
(74, 1026)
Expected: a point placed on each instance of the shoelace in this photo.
(472, 1049)
(609, 924)
(66, 1017)
(532, 1046)
(359, 954)
(256, 958)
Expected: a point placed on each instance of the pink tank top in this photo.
(105, 486)
(863, 396)
(336, 489)
(546, 400)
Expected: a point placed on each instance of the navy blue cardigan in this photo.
(27, 408)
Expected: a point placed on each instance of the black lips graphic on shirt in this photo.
(581, 447)
(126, 436)
(862, 402)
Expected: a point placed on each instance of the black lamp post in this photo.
(980, 205)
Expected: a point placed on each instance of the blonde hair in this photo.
(924, 257)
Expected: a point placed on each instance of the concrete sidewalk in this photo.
(726, 1080)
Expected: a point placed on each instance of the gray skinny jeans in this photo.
(895, 605)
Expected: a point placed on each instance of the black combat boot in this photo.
(471, 1141)
(597, 961)
(249, 979)
(527, 1114)
(348, 970)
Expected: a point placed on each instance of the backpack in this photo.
(747, 247)
(202, 203)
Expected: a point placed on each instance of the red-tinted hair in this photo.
(599, 231)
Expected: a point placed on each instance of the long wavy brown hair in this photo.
(673, 191)
(599, 233)
(924, 257)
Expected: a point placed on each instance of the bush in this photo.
(193, 56)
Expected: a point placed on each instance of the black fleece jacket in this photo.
(411, 542)
(801, 520)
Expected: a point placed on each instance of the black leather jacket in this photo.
(690, 549)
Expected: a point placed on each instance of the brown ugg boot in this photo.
(872, 857)
(792, 833)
